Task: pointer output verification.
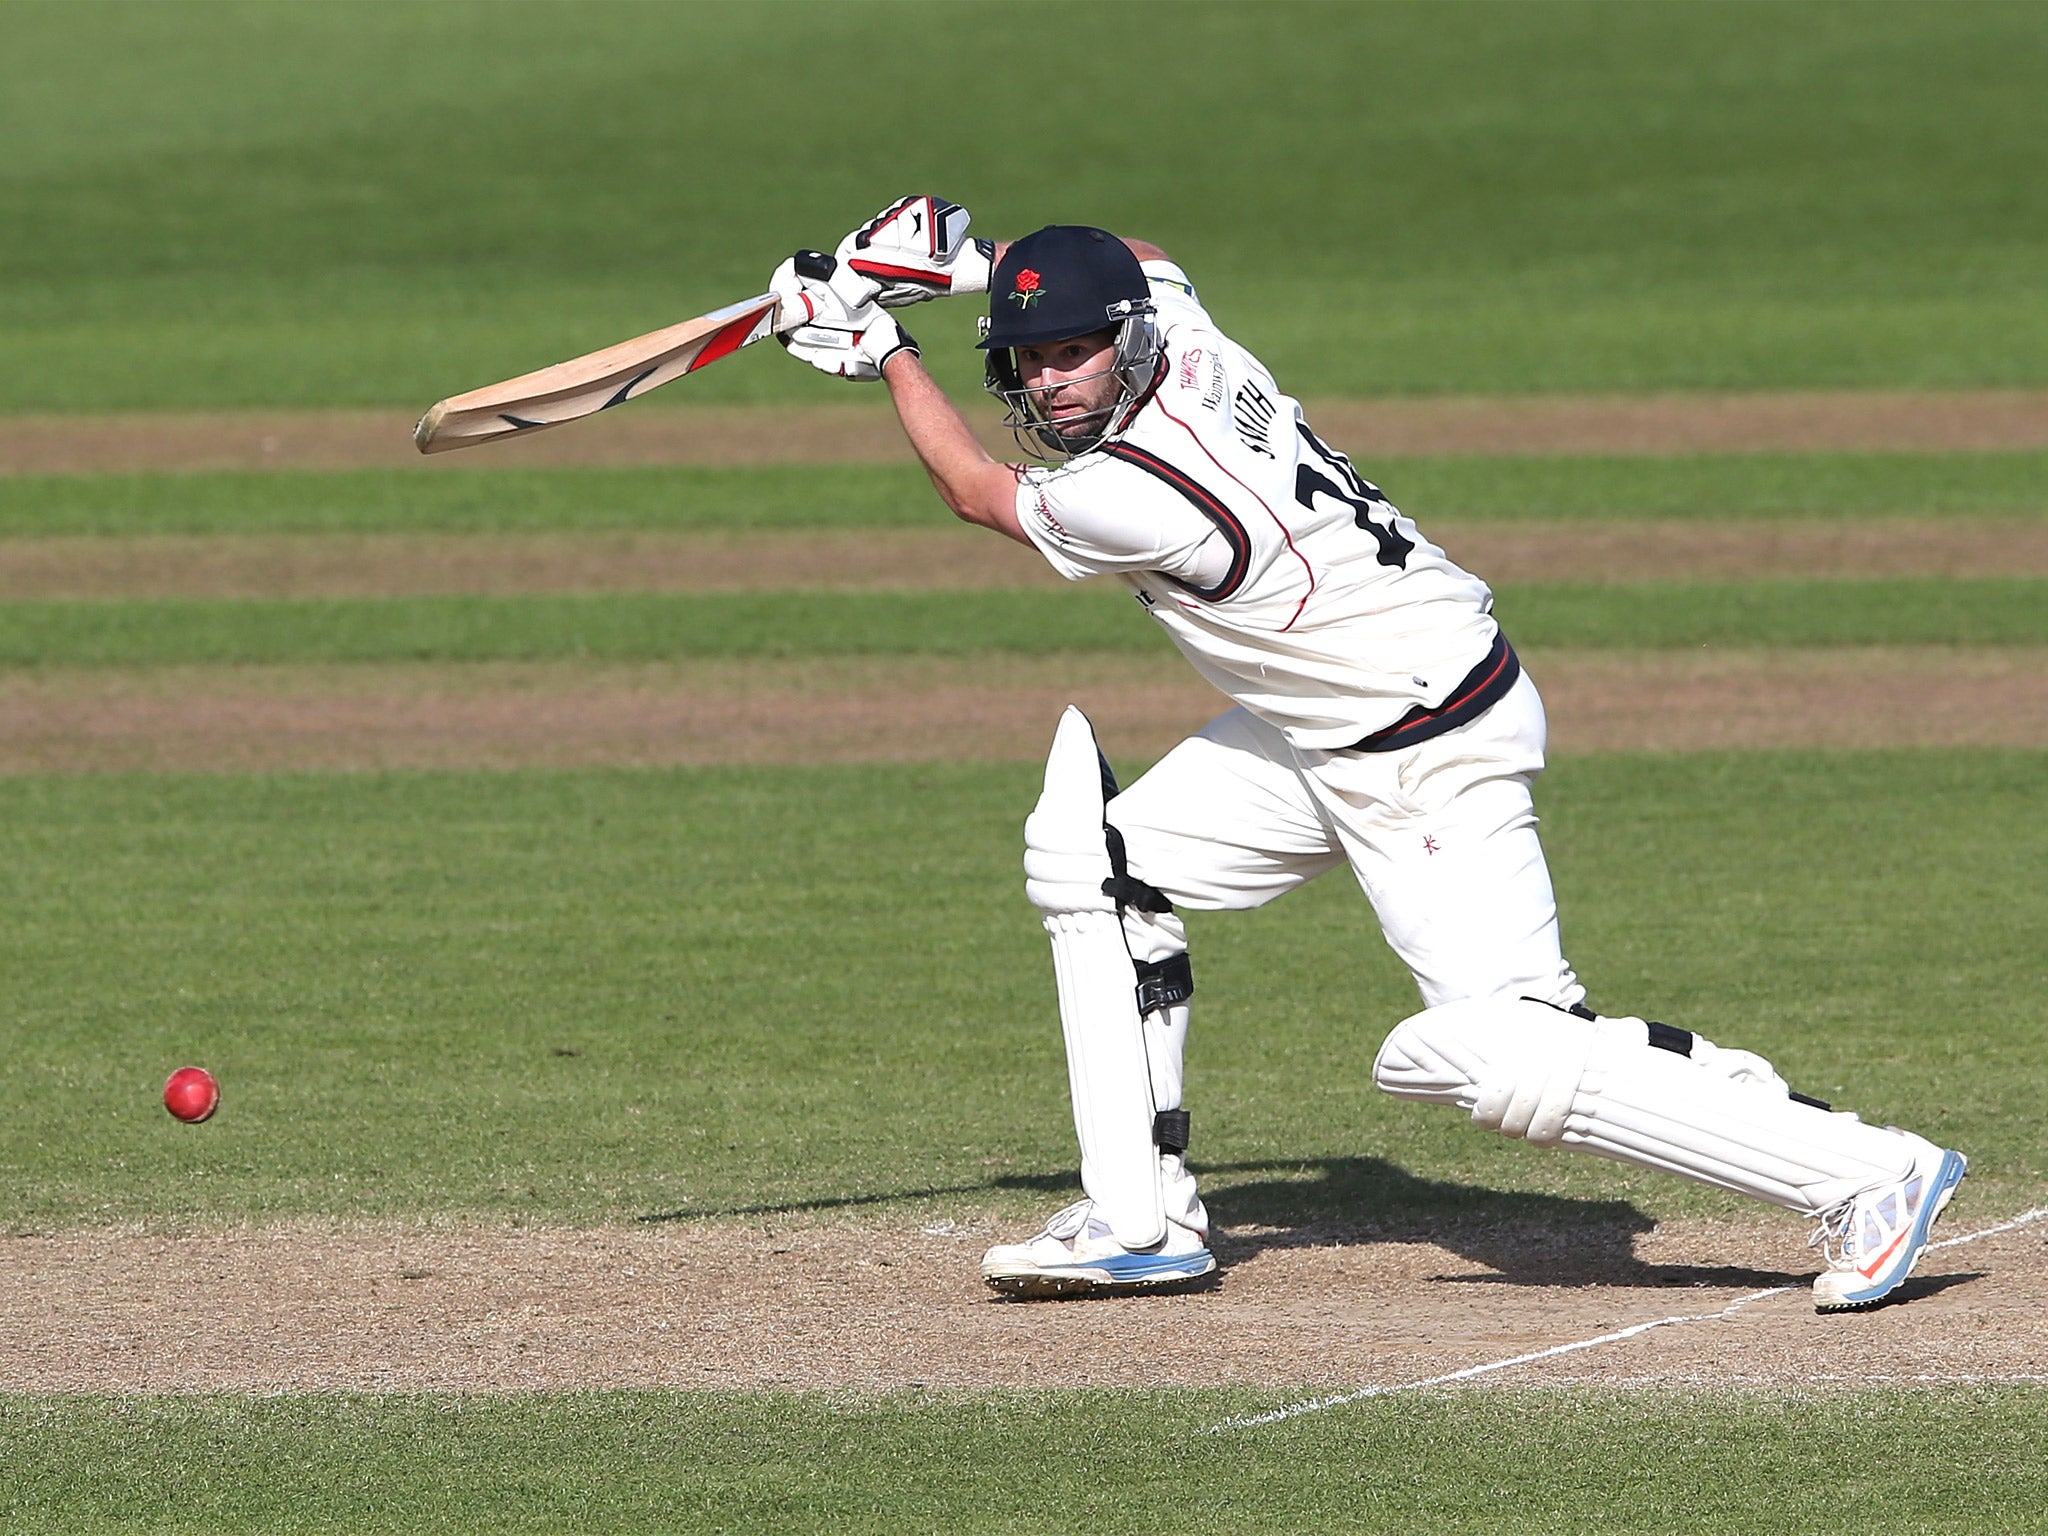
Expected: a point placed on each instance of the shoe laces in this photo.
(1835, 1237)
(1864, 1222)
(1070, 1222)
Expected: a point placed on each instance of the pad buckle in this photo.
(1163, 983)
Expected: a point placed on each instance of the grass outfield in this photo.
(594, 996)
(238, 204)
(1721, 487)
(581, 998)
(641, 626)
(1517, 1463)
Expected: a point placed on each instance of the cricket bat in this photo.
(595, 382)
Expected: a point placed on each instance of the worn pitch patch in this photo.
(884, 1304)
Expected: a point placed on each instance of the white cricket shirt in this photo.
(1290, 583)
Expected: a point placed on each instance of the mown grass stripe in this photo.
(1720, 486)
(925, 1461)
(1776, 613)
(639, 626)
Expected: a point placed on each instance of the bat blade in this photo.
(585, 385)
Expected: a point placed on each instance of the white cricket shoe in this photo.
(1076, 1255)
(1873, 1240)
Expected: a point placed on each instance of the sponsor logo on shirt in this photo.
(1049, 523)
(1191, 368)
(1212, 397)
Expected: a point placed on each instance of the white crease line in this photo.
(2004, 1226)
(1316, 1405)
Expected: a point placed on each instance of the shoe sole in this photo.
(1052, 1284)
(1953, 1166)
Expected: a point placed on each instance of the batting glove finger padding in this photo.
(817, 324)
(917, 249)
(857, 347)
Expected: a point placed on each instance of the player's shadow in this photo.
(1335, 1202)
(1061, 1184)
(1919, 1286)
(1524, 1239)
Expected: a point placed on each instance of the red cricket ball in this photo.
(191, 1094)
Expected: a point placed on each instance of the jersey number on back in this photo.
(1362, 496)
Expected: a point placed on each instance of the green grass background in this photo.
(1735, 487)
(254, 203)
(798, 993)
(640, 626)
(1509, 1463)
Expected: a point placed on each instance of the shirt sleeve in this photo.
(1097, 517)
(1173, 295)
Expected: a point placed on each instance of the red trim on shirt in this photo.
(1206, 502)
(1288, 537)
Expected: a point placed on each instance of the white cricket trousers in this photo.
(1441, 835)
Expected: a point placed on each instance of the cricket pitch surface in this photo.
(877, 1305)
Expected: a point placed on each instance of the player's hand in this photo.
(805, 288)
(917, 249)
(819, 327)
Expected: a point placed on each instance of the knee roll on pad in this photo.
(1074, 860)
(1066, 858)
(1618, 1089)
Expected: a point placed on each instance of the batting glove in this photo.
(917, 249)
(819, 327)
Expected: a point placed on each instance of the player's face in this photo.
(1072, 381)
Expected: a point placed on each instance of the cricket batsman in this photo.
(1379, 718)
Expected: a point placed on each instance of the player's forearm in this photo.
(952, 455)
(974, 485)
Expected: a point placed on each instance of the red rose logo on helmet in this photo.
(1028, 292)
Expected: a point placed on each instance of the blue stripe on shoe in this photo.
(1946, 1178)
(1130, 1267)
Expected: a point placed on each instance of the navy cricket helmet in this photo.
(1068, 280)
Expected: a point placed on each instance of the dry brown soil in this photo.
(931, 709)
(877, 1305)
(951, 557)
(1813, 421)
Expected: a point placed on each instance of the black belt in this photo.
(1482, 688)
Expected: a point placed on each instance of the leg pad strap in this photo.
(1163, 983)
(1170, 1130)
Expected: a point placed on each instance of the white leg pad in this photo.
(1166, 1037)
(1109, 1073)
(1720, 1117)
